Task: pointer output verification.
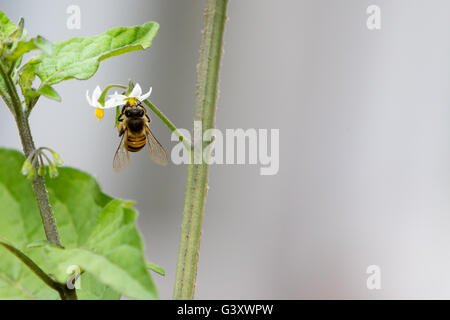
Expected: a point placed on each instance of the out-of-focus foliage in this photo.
(99, 234)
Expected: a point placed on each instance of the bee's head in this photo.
(134, 111)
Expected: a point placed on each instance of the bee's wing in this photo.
(121, 158)
(157, 152)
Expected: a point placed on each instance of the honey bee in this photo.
(135, 132)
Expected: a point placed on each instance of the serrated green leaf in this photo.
(6, 26)
(91, 224)
(79, 58)
(49, 92)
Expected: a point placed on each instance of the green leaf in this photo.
(21, 48)
(112, 252)
(6, 26)
(19, 218)
(20, 32)
(156, 268)
(32, 266)
(79, 58)
(43, 44)
(27, 46)
(98, 232)
(26, 78)
(49, 92)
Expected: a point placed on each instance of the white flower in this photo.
(93, 101)
(135, 95)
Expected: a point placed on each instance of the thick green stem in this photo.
(197, 177)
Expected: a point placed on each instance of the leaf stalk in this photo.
(64, 292)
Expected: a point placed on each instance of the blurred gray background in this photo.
(364, 142)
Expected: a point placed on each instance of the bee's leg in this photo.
(148, 118)
(121, 132)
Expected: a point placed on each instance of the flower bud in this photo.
(57, 159)
(53, 172)
(26, 167)
(41, 171)
(32, 174)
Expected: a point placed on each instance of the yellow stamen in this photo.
(99, 113)
(132, 101)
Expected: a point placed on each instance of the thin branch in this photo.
(64, 292)
(169, 124)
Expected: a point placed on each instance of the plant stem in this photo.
(169, 124)
(197, 177)
(64, 292)
(48, 219)
(11, 98)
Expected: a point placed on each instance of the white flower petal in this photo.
(87, 97)
(136, 92)
(96, 94)
(113, 102)
(117, 96)
(146, 95)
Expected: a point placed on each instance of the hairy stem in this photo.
(48, 219)
(197, 177)
(11, 98)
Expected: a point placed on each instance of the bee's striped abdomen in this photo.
(136, 143)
